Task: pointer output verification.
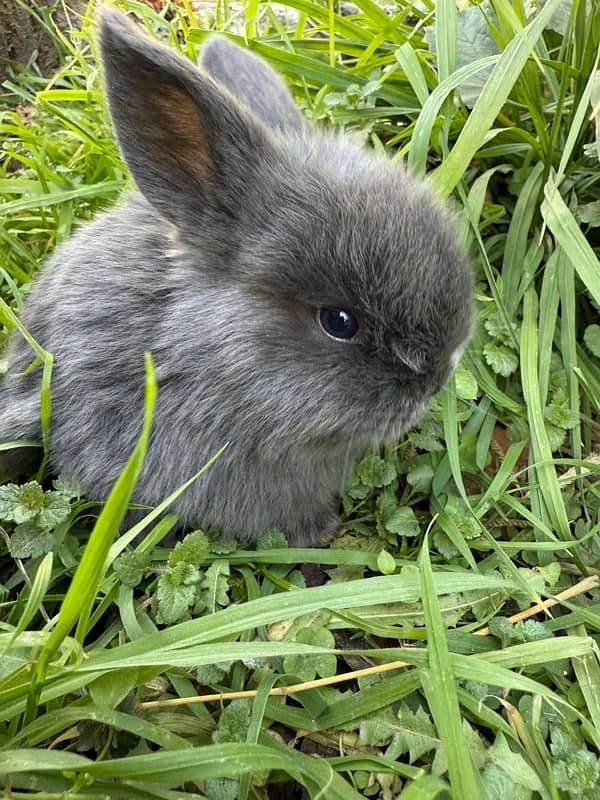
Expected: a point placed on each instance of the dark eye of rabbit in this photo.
(337, 323)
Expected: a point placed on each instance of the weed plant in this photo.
(452, 539)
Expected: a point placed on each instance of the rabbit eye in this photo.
(337, 323)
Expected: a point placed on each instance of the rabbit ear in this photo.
(186, 140)
(252, 81)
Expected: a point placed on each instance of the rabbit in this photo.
(302, 297)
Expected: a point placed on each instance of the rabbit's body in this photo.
(271, 474)
(248, 233)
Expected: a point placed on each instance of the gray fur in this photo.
(251, 79)
(244, 228)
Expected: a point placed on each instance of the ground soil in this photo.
(24, 40)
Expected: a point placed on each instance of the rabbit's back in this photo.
(94, 307)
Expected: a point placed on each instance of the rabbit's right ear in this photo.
(185, 138)
(252, 81)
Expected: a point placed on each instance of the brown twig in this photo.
(579, 588)
(583, 586)
(278, 690)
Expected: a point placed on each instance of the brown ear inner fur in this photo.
(182, 130)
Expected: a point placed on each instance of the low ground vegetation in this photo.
(429, 665)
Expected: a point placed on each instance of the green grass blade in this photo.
(420, 140)
(171, 769)
(570, 237)
(445, 38)
(35, 599)
(491, 100)
(518, 237)
(91, 567)
(549, 489)
(438, 684)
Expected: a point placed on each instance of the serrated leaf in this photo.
(475, 746)
(462, 519)
(556, 436)
(357, 491)
(306, 667)
(415, 734)
(379, 729)
(500, 786)
(420, 478)
(428, 436)
(561, 744)
(503, 629)
(29, 502)
(466, 524)
(21, 503)
(28, 540)
(9, 498)
(174, 603)
(211, 674)
(221, 546)
(502, 360)
(496, 326)
(578, 773)
(192, 549)
(374, 472)
(130, 567)
(70, 488)
(271, 540)
(55, 510)
(536, 585)
(530, 630)
(221, 789)
(233, 722)
(591, 337)
(402, 521)
(444, 546)
(559, 413)
(176, 592)
(214, 588)
(513, 765)
(480, 691)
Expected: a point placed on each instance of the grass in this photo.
(427, 664)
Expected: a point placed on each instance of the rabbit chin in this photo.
(370, 432)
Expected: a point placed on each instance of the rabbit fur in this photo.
(248, 223)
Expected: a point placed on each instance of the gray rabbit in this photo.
(302, 299)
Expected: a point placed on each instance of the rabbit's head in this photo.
(328, 281)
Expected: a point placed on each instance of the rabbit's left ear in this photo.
(253, 82)
(185, 138)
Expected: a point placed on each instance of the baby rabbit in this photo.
(301, 297)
